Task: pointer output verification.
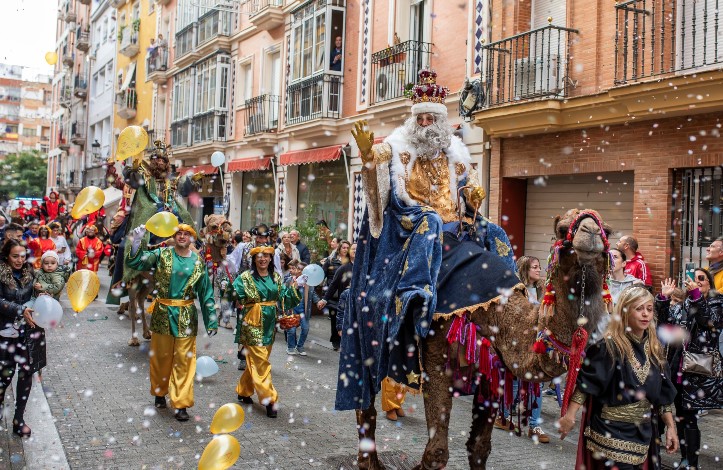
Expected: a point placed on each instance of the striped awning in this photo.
(300, 157)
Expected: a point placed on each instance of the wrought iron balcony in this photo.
(80, 88)
(63, 142)
(659, 37)
(83, 41)
(78, 133)
(267, 14)
(66, 96)
(262, 114)
(531, 65)
(129, 45)
(127, 102)
(316, 97)
(395, 69)
(157, 65)
(68, 59)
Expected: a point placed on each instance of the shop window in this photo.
(323, 194)
(258, 199)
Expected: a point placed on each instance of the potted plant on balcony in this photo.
(120, 32)
(137, 24)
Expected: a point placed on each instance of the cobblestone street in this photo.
(97, 389)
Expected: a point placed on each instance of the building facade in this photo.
(69, 118)
(102, 87)
(612, 106)
(25, 99)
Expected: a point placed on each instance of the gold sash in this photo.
(253, 316)
(169, 303)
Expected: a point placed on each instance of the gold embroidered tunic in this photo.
(429, 184)
(624, 395)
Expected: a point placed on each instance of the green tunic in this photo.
(177, 277)
(249, 290)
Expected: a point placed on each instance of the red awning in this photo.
(249, 164)
(299, 157)
(205, 169)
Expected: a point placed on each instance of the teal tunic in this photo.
(181, 278)
(249, 290)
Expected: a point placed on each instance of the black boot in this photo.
(241, 360)
(21, 429)
(160, 403)
(692, 442)
(271, 410)
(246, 400)
(182, 414)
(680, 428)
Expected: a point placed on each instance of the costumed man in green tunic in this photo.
(260, 290)
(180, 276)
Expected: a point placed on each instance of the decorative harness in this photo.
(546, 342)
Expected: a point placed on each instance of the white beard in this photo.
(428, 141)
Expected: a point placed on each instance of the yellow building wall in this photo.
(144, 90)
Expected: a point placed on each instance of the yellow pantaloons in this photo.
(173, 366)
(393, 395)
(257, 376)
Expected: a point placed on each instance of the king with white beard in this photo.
(409, 267)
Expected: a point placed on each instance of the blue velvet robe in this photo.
(393, 294)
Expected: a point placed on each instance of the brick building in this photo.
(613, 106)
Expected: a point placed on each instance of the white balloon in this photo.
(218, 159)
(314, 275)
(47, 312)
(206, 366)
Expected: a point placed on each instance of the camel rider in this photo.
(180, 277)
(408, 269)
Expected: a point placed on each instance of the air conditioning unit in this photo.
(537, 76)
(386, 84)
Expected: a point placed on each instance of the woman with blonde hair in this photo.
(625, 387)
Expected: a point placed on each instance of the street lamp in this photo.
(95, 151)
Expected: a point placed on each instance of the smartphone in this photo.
(690, 275)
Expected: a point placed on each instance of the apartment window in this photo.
(185, 13)
(96, 88)
(247, 80)
(181, 110)
(214, 23)
(136, 11)
(211, 106)
(109, 76)
(184, 41)
(310, 42)
(101, 80)
(30, 132)
(104, 31)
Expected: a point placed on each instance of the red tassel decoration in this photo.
(539, 347)
(549, 298)
(485, 361)
(579, 341)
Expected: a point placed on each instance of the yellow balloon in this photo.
(163, 224)
(228, 418)
(89, 200)
(220, 454)
(51, 58)
(131, 141)
(83, 285)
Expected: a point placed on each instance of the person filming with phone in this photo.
(695, 364)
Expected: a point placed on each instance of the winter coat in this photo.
(53, 283)
(703, 319)
(31, 341)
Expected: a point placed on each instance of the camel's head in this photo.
(585, 233)
(216, 231)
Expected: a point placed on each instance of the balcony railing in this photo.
(127, 101)
(395, 68)
(117, 3)
(80, 88)
(78, 133)
(66, 96)
(212, 24)
(314, 98)
(656, 37)
(129, 46)
(157, 60)
(68, 59)
(262, 114)
(267, 14)
(83, 41)
(527, 66)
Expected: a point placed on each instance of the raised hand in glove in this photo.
(364, 140)
(137, 237)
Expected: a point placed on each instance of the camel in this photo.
(216, 235)
(579, 265)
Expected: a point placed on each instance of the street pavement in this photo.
(97, 389)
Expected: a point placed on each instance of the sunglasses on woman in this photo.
(701, 278)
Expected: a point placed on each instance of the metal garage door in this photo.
(611, 194)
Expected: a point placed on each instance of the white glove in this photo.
(301, 281)
(136, 238)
